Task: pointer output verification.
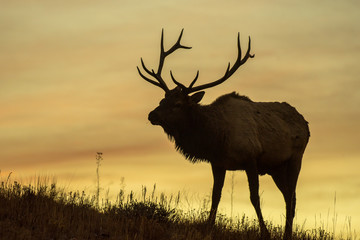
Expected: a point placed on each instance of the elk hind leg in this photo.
(219, 177)
(285, 178)
(253, 179)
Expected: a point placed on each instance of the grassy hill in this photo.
(45, 211)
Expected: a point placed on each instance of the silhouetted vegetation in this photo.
(44, 211)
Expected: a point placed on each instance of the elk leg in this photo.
(285, 179)
(292, 173)
(219, 176)
(253, 179)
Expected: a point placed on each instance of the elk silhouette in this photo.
(233, 133)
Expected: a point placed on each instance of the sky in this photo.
(69, 88)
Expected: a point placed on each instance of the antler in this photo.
(229, 71)
(163, 54)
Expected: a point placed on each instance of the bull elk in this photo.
(233, 133)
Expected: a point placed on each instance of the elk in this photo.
(232, 133)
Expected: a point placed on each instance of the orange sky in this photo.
(69, 88)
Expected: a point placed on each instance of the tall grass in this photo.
(45, 211)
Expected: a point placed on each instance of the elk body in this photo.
(233, 133)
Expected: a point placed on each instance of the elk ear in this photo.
(197, 96)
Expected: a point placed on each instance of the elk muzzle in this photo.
(154, 117)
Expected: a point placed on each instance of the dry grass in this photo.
(43, 211)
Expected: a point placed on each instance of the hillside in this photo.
(47, 212)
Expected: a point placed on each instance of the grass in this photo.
(45, 211)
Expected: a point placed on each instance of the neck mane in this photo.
(202, 136)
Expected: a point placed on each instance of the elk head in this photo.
(175, 109)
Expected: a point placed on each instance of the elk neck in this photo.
(202, 136)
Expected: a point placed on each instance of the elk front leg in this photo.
(219, 176)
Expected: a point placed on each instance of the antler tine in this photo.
(186, 89)
(162, 52)
(176, 82)
(229, 71)
(193, 82)
(239, 46)
(150, 80)
(145, 68)
(177, 45)
(162, 41)
(248, 51)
